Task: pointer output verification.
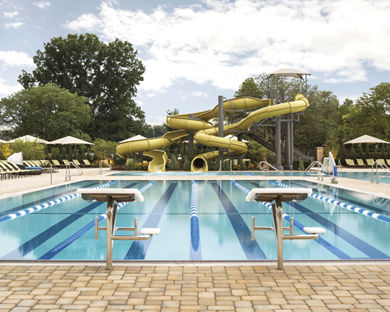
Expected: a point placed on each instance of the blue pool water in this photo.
(199, 220)
(385, 177)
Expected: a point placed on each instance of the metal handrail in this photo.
(68, 173)
(101, 165)
(266, 163)
(313, 164)
(375, 176)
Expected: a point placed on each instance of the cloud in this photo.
(42, 4)
(6, 90)
(11, 14)
(13, 25)
(223, 42)
(15, 58)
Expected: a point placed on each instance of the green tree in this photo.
(106, 74)
(370, 115)
(249, 88)
(48, 112)
(103, 148)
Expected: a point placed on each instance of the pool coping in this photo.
(193, 263)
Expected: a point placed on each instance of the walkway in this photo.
(351, 287)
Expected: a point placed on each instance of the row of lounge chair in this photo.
(369, 162)
(34, 167)
(11, 170)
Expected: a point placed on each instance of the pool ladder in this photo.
(68, 174)
(375, 177)
(103, 161)
(315, 169)
(265, 165)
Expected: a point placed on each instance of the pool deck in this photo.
(356, 287)
(11, 187)
(300, 286)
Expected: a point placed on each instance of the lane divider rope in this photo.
(51, 253)
(48, 204)
(319, 240)
(362, 211)
(195, 252)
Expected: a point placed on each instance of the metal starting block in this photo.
(277, 196)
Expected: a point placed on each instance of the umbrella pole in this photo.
(69, 153)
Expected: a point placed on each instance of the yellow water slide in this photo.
(209, 136)
(151, 148)
(206, 133)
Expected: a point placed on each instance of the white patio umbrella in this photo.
(2, 141)
(134, 138)
(69, 140)
(366, 139)
(29, 138)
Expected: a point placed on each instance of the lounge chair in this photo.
(370, 161)
(77, 163)
(360, 162)
(86, 163)
(66, 162)
(381, 161)
(388, 161)
(45, 163)
(56, 163)
(350, 162)
(14, 169)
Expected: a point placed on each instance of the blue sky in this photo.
(196, 50)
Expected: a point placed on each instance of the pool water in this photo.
(199, 220)
(384, 177)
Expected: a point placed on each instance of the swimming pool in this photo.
(199, 220)
(385, 177)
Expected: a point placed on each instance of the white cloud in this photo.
(11, 14)
(42, 4)
(6, 90)
(223, 42)
(13, 25)
(15, 58)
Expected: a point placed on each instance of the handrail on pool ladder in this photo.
(374, 176)
(267, 164)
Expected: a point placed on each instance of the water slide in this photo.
(206, 133)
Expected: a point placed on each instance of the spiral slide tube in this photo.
(151, 148)
(206, 133)
(209, 136)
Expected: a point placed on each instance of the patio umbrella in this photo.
(366, 139)
(2, 141)
(69, 140)
(134, 138)
(29, 138)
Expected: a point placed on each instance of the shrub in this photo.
(30, 150)
(5, 151)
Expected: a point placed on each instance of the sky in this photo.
(194, 51)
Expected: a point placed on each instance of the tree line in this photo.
(84, 87)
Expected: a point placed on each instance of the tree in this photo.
(370, 115)
(48, 112)
(106, 74)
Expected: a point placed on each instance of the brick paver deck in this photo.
(355, 287)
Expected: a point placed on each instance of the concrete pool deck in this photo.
(303, 286)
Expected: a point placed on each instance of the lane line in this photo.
(359, 244)
(333, 249)
(76, 235)
(20, 207)
(364, 212)
(138, 249)
(251, 248)
(45, 235)
(60, 200)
